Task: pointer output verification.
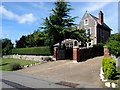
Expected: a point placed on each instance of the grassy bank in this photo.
(5, 63)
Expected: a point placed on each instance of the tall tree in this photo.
(37, 38)
(59, 22)
(7, 46)
(21, 43)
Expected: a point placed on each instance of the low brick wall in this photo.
(27, 57)
(88, 52)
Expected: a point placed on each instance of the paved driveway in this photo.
(86, 72)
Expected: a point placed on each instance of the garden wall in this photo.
(27, 57)
(89, 52)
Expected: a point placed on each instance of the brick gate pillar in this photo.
(106, 52)
(75, 54)
(55, 53)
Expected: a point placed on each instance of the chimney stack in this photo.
(101, 17)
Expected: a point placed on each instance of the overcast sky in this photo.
(22, 18)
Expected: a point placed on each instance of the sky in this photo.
(23, 18)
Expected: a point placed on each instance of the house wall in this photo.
(102, 34)
(91, 25)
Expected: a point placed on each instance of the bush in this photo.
(109, 67)
(98, 49)
(114, 44)
(48, 59)
(15, 66)
(45, 50)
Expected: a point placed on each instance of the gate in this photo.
(69, 53)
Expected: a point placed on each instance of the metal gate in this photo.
(69, 53)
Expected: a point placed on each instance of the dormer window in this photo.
(86, 22)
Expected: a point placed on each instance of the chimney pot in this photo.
(101, 17)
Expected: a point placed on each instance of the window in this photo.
(86, 22)
(88, 32)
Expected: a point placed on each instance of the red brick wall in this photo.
(55, 53)
(76, 54)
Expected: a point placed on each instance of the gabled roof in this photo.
(96, 19)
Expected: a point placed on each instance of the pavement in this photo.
(85, 73)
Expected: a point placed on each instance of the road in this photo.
(20, 80)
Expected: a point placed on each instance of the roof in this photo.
(96, 19)
(65, 42)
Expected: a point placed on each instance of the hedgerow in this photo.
(45, 50)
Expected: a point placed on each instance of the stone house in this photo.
(95, 27)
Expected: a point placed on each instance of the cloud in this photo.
(90, 7)
(40, 5)
(26, 18)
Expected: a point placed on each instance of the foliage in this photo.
(37, 38)
(5, 62)
(109, 67)
(48, 59)
(80, 35)
(59, 22)
(15, 66)
(44, 50)
(99, 45)
(114, 44)
(6, 46)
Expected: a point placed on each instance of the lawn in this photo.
(4, 63)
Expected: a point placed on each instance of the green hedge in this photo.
(114, 44)
(44, 50)
(109, 67)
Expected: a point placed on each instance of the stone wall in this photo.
(27, 57)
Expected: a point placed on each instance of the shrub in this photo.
(99, 45)
(114, 44)
(98, 49)
(45, 50)
(48, 59)
(109, 67)
(15, 66)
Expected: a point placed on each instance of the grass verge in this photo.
(5, 62)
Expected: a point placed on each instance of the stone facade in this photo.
(95, 27)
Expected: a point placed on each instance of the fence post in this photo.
(75, 54)
(106, 52)
(55, 53)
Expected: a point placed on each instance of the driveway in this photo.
(86, 72)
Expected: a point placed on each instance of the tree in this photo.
(7, 46)
(59, 22)
(80, 35)
(21, 43)
(114, 44)
(37, 38)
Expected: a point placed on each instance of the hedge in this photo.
(44, 50)
(109, 67)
